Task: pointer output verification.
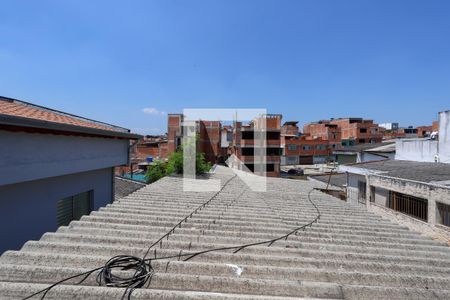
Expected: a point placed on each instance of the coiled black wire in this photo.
(142, 272)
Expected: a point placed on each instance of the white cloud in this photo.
(153, 111)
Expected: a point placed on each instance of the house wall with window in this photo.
(419, 205)
(30, 208)
(55, 167)
(39, 169)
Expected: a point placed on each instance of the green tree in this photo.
(156, 171)
(174, 164)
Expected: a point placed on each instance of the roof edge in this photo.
(9, 99)
(53, 126)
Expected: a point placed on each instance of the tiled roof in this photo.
(349, 253)
(17, 108)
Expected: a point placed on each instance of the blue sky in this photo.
(308, 60)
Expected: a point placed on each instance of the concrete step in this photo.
(29, 273)
(275, 249)
(229, 284)
(246, 256)
(295, 240)
(188, 228)
(76, 260)
(13, 291)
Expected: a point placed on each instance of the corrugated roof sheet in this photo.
(349, 254)
(412, 170)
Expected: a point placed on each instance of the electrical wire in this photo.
(143, 270)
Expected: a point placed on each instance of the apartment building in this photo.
(358, 131)
(302, 149)
(208, 132)
(174, 132)
(325, 130)
(245, 144)
(151, 146)
(424, 131)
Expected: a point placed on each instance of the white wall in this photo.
(32, 156)
(444, 136)
(367, 156)
(224, 143)
(424, 150)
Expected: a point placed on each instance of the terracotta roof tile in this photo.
(25, 110)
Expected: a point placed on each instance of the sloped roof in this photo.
(412, 170)
(348, 254)
(336, 179)
(15, 112)
(374, 147)
(123, 186)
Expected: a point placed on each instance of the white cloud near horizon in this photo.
(153, 111)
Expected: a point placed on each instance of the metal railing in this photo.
(409, 205)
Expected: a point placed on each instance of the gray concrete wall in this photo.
(29, 208)
(289, 160)
(367, 156)
(26, 156)
(381, 196)
(432, 193)
(444, 136)
(424, 150)
(319, 159)
(352, 188)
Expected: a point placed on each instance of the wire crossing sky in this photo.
(131, 62)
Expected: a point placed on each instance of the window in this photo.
(372, 194)
(363, 130)
(273, 151)
(321, 147)
(362, 141)
(248, 151)
(270, 168)
(443, 213)
(292, 147)
(73, 208)
(361, 192)
(307, 147)
(409, 205)
(271, 135)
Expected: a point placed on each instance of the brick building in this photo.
(304, 150)
(209, 139)
(325, 130)
(208, 136)
(174, 132)
(358, 131)
(244, 144)
(154, 146)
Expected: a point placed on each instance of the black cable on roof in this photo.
(143, 270)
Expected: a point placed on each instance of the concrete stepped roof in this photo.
(348, 254)
(406, 169)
